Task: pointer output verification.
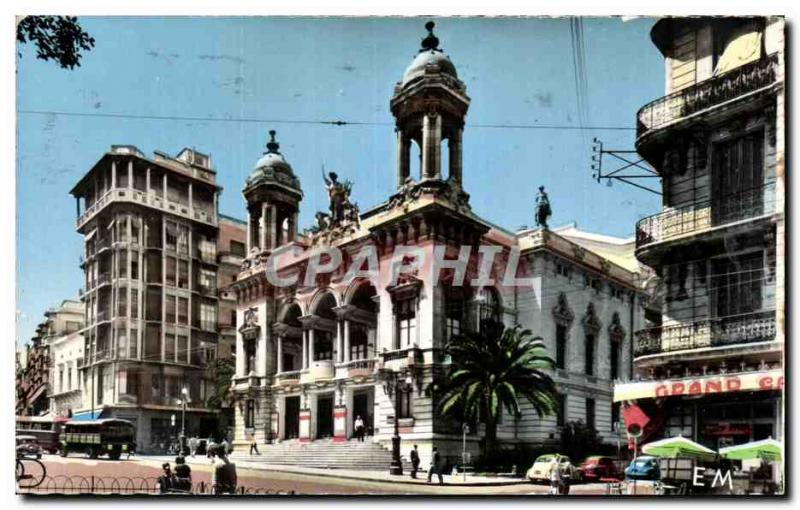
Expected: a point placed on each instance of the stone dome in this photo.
(425, 58)
(273, 167)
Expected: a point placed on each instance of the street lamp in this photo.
(393, 387)
(185, 396)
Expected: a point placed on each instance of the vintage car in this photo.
(643, 468)
(540, 471)
(596, 467)
(28, 446)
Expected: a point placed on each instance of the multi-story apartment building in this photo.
(231, 248)
(314, 355)
(66, 355)
(35, 380)
(711, 367)
(150, 228)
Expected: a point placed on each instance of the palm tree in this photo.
(495, 368)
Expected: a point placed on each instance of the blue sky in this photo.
(517, 71)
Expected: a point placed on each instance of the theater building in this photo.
(711, 366)
(315, 352)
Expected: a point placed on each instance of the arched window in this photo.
(488, 305)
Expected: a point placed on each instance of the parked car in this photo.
(643, 468)
(540, 471)
(596, 467)
(28, 446)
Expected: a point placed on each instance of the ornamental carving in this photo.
(615, 330)
(343, 216)
(590, 320)
(562, 312)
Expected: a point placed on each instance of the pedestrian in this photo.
(193, 445)
(555, 476)
(253, 444)
(414, 462)
(183, 475)
(435, 466)
(210, 447)
(226, 447)
(359, 426)
(223, 472)
(167, 479)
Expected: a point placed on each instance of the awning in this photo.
(743, 47)
(88, 415)
(764, 380)
(678, 448)
(766, 449)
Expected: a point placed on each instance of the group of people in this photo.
(223, 474)
(434, 469)
(194, 444)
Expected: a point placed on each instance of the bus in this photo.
(46, 430)
(108, 436)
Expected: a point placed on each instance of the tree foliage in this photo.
(494, 369)
(58, 38)
(221, 371)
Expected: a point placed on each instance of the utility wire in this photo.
(304, 121)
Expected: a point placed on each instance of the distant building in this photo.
(66, 355)
(151, 230)
(711, 366)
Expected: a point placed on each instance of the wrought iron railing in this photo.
(736, 330)
(706, 214)
(707, 94)
(41, 483)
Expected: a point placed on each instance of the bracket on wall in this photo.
(632, 167)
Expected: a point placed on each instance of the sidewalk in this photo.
(254, 463)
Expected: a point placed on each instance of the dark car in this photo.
(596, 467)
(643, 468)
(28, 446)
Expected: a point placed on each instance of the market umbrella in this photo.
(766, 449)
(678, 447)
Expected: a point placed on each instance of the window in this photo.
(122, 344)
(590, 413)
(183, 240)
(404, 404)
(233, 317)
(358, 341)
(122, 302)
(171, 236)
(122, 264)
(169, 348)
(454, 312)
(171, 271)
(183, 349)
(207, 249)
(250, 413)
(135, 231)
(237, 248)
(208, 317)
(615, 349)
(323, 345)
(134, 304)
(406, 322)
(489, 305)
(134, 341)
(169, 308)
(206, 280)
(561, 346)
(183, 274)
(134, 267)
(183, 310)
(562, 269)
(738, 178)
(589, 354)
(250, 356)
(736, 284)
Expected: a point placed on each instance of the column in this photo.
(280, 354)
(310, 346)
(455, 157)
(191, 201)
(346, 340)
(305, 349)
(249, 235)
(291, 226)
(339, 342)
(148, 180)
(272, 227)
(402, 157)
(431, 139)
(77, 207)
(165, 188)
(130, 174)
(113, 174)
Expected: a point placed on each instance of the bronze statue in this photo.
(542, 208)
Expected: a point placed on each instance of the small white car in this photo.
(540, 471)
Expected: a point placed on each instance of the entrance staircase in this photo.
(322, 453)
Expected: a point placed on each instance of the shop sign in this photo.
(755, 381)
(727, 429)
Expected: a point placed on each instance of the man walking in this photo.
(435, 466)
(193, 445)
(251, 436)
(414, 462)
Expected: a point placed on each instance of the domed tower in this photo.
(429, 105)
(273, 196)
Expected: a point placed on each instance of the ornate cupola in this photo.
(429, 105)
(273, 195)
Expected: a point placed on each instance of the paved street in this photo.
(307, 484)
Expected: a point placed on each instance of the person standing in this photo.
(359, 426)
(193, 445)
(226, 447)
(183, 475)
(167, 480)
(210, 447)
(223, 472)
(555, 476)
(414, 462)
(251, 436)
(435, 466)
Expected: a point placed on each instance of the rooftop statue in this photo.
(543, 211)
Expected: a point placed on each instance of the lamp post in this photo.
(393, 386)
(184, 397)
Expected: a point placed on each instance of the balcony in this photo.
(288, 378)
(700, 216)
(130, 195)
(731, 331)
(319, 370)
(739, 83)
(356, 368)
